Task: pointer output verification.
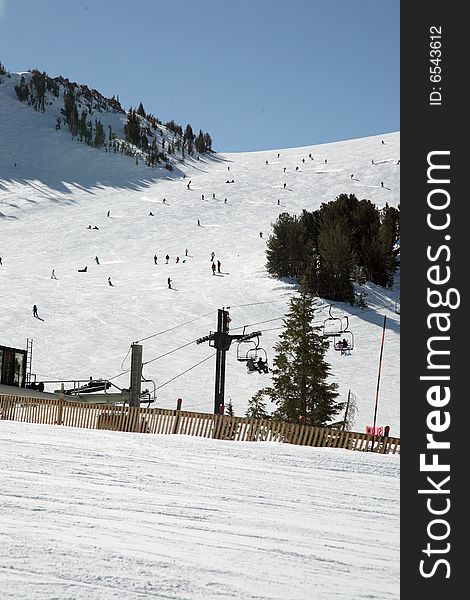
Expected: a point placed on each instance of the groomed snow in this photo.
(100, 515)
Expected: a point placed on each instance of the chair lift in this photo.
(346, 344)
(252, 357)
(244, 346)
(333, 326)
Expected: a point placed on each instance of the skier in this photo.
(108, 213)
(285, 185)
(97, 260)
(260, 234)
(266, 162)
(213, 195)
(189, 183)
(95, 227)
(1, 263)
(326, 160)
(164, 200)
(278, 202)
(228, 168)
(296, 168)
(109, 281)
(177, 259)
(383, 142)
(84, 270)
(225, 201)
(89, 227)
(303, 160)
(169, 283)
(381, 184)
(167, 258)
(186, 252)
(212, 256)
(352, 175)
(372, 162)
(53, 274)
(213, 268)
(151, 214)
(202, 196)
(218, 266)
(199, 223)
(278, 155)
(155, 259)
(284, 169)
(310, 155)
(35, 311)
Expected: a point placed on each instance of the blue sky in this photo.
(255, 74)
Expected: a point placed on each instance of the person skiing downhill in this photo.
(169, 283)
(110, 282)
(213, 268)
(35, 311)
(155, 258)
(97, 260)
(167, 258)
(53, 274)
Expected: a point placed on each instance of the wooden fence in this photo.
(167, 421)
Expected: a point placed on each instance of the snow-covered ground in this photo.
(100, 515)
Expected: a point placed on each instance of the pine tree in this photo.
(229, 411)
(337, 259)
(288, 247)
(300, 373)
(257, 405)
(207, 142)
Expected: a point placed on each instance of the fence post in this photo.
(60, 405)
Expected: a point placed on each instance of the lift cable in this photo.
(175, 327)
(176, 376)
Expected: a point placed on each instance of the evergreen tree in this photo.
(300, 373)
(188, 138)
(229, 411)
(199, 143)
(288, 247)
(99, 135)
(207, 142)
(337, 260)
(22, 90)
(257, 406)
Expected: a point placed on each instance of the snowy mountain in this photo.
(55, 197)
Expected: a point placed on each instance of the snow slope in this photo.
(100, 515)
(59, 187)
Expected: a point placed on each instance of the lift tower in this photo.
(221, 340)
